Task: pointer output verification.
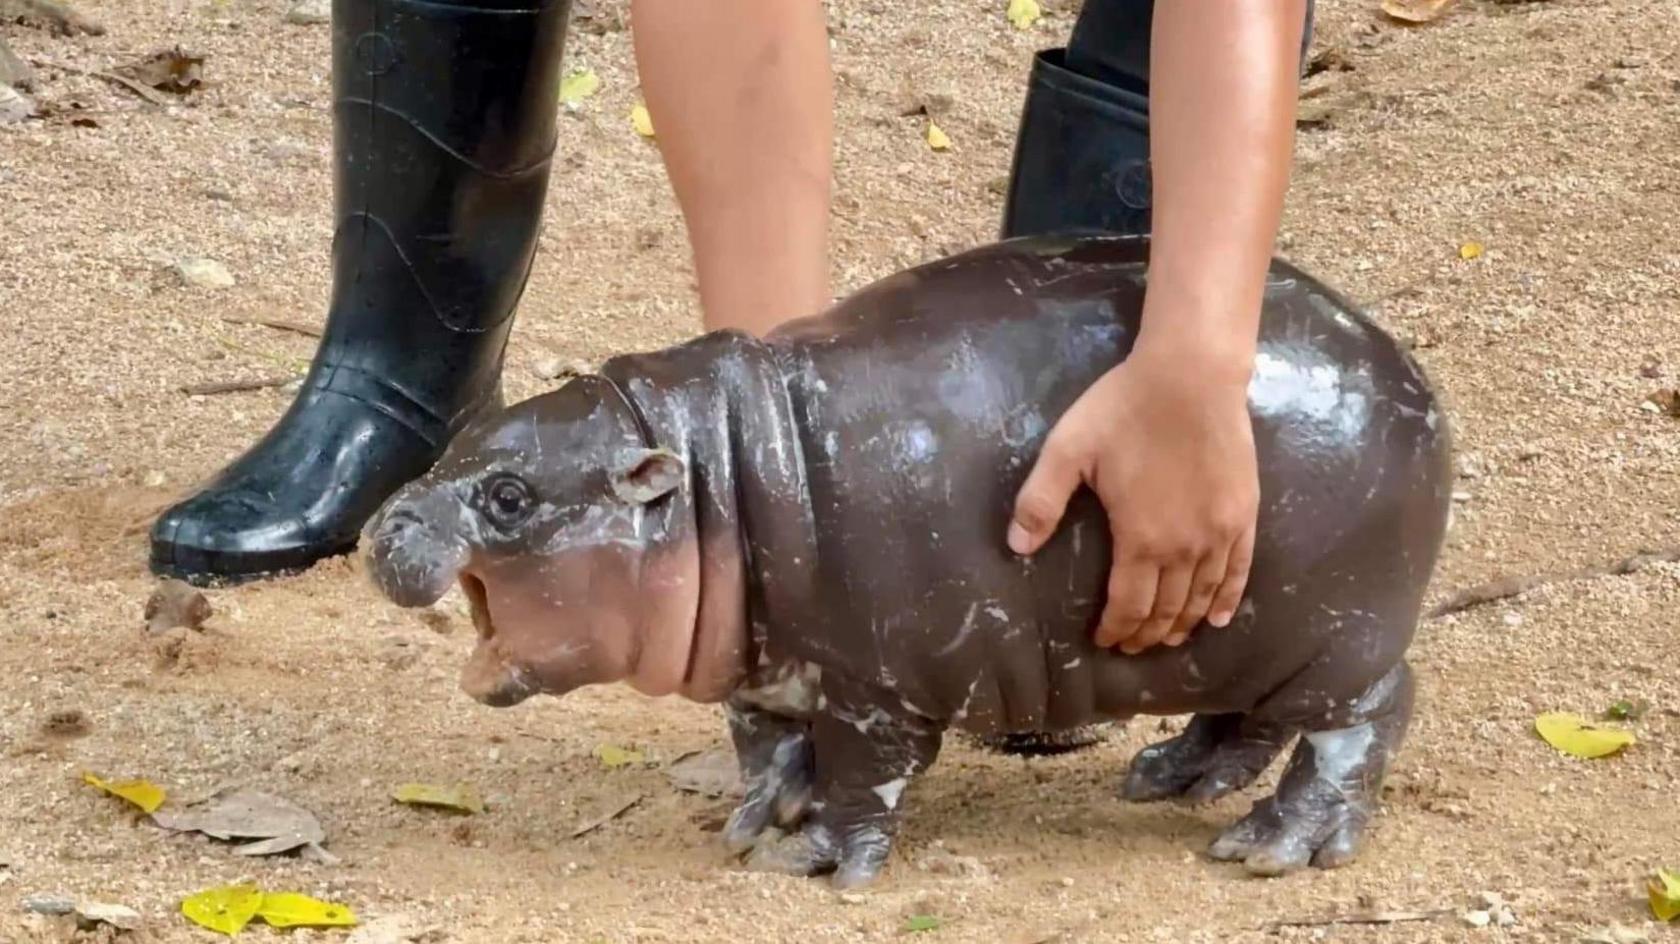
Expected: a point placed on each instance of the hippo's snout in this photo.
(413, 547)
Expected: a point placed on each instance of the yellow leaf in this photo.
(142, 793)
(578, 86)
(1416, 11)
(642, 121)
(1579, 737)
(1665, 895)
(936, 138)
(1470, 251)
(290, 910)
(462, 798)
(612, 755)
(1024, 13)
(226, 909)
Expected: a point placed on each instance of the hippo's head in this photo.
(541, 513)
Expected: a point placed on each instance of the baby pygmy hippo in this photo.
(809, 529)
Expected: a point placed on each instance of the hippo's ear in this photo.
(641, 475)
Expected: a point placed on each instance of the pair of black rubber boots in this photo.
(444, 127)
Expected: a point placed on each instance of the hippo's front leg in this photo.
(774, 752)
(867, 747)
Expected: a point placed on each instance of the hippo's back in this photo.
(922, 402)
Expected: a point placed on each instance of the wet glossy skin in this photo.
(833, 559)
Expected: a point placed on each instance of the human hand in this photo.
(1166, 442)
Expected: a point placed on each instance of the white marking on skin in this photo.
(996, 612)
(890, 792)
(1337, 754)
(962, 712)
(962, 633)
(865, 723)
(1071, 665)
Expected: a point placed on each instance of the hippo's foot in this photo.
(856, 857)
(775, 757)
(1214, 755)
(1318, 815)
(865, 746)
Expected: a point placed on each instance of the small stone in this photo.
(155, 479)
(1513, 618)
(49, 904)
(1548, 789)
(1477, 919)
(93, 914)
(1461, 496)
(204, 273)
(495, 754)
(1067, 882)
(176, 603)
(66, 723)
(851, 898)
(310, 13)
(285, 151)
(14, 105)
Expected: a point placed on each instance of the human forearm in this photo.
(741, 97)
(1223, 85)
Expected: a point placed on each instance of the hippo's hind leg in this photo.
(1329, 789)
(1215, 755)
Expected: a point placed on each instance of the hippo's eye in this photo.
(508, 501)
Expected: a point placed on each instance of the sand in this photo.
(1547, 132)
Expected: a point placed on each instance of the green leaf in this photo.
(611, 755)
(920, 923)
(1665, 894)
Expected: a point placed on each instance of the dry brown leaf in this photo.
(277, 824)
(1416, 11)
(171, 70)
(712, 773)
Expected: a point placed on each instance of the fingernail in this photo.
(1221, 619)
(1019, 540)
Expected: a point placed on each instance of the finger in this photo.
(1131, 597)
(1229, 595)
(1043, 496)
(1171, 592)
(1210, 573)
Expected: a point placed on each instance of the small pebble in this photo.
(155, 479)
(204, 273)
(1477, 919)
(310, 13)
(1513, 618)
(48, 904)
(1067, 882)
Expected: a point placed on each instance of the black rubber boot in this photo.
(444, 125)
(1081, 155)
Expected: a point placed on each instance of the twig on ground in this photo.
(121, 80)
(1368, 917)
(1507, 587)
(236, 386)
(276, 324)
(600, 821)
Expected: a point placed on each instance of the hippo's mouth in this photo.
(488, 678)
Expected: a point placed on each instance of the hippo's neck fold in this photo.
(720, 401)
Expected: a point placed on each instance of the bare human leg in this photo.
(741, 96)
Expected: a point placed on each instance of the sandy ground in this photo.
(1548, 131)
